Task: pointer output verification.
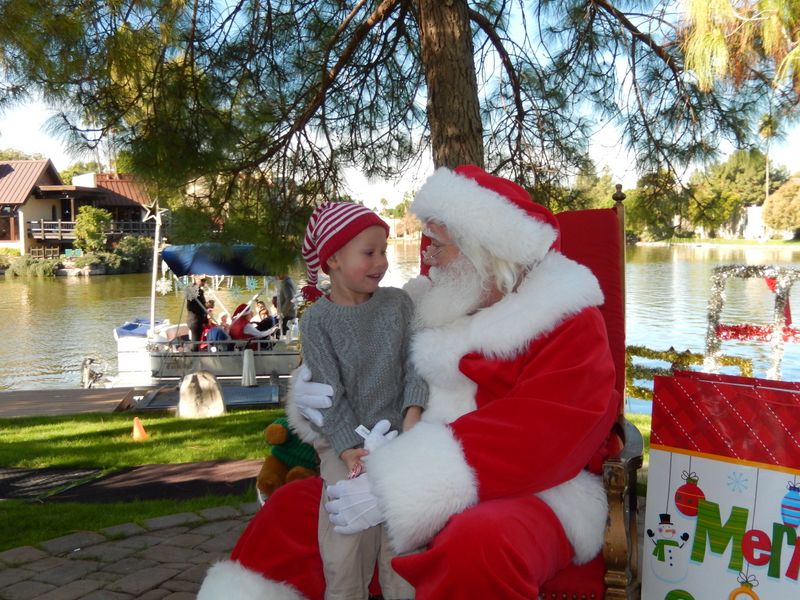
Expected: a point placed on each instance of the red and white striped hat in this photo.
(330, 227)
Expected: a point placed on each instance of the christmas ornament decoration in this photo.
(164, 286)
(745, 589)
(688, 496)
(790, 506)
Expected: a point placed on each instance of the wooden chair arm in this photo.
(620, 549)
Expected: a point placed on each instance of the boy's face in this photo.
(360, 264)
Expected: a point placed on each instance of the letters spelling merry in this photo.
(755, 546)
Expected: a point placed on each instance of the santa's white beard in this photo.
(456, 291)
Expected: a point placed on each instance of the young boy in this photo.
(356, 339)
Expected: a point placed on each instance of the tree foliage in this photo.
(745, 41)
(721, 193)
(13, 154)
(266, 101)
(590, 190)
(656, 207)
(79, 168)
(90, 228)
(782, 209)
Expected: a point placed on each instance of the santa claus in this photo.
(496, 489)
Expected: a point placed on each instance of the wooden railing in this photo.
(65, 230)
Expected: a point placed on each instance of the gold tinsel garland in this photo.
(677, 361)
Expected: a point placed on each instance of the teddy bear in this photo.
(290, 458)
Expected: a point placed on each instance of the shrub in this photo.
(25, 266)
(6, 254)
(113, 262)
(87, 260)
(136, 253)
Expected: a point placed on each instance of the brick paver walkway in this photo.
(166, 559)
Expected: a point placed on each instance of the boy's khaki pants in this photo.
(349, 560)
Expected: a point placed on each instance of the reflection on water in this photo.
(48, 326)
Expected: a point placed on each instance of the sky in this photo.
(23, 128)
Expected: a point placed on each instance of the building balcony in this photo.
(65, 230)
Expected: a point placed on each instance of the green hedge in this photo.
(25, 266)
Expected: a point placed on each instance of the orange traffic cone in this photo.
(139, 434)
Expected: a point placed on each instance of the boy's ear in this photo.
(333, 261)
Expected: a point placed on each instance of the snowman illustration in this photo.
(669, 559)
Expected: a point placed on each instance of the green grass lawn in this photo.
(104, 441)
(28, 523)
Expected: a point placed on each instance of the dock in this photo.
(54, 402)
(47, 403)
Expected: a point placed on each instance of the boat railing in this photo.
(204, 347)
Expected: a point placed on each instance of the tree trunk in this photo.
(448, 59)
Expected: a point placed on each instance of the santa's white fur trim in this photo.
(229, 579)
(478, 213)
(421, 479)
(582, 506)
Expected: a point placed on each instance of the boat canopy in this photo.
(211, 259)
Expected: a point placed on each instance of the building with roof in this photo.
(37, 211)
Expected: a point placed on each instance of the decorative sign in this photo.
(723, 489)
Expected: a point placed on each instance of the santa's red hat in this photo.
(240, 311)
(330, 227)
(495, 212)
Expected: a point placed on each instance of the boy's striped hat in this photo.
(330, 227)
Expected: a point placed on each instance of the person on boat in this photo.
(265, 321)
(286, 306)
(498, 485)
(209, 323)
(242, 325)
(196, 309)
(356, 338)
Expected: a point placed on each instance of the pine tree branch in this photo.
(329, 75)
(641, 36)
(516, 87)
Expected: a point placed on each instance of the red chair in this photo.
(595, 238)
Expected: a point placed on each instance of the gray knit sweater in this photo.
(363, 352)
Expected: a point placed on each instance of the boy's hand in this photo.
(413, 415)
(352, 458)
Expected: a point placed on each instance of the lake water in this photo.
(48, 326)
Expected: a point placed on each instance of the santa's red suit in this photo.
(496, 483)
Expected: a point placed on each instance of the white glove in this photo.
(352, 507)
(309, 396)
(379, 436)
